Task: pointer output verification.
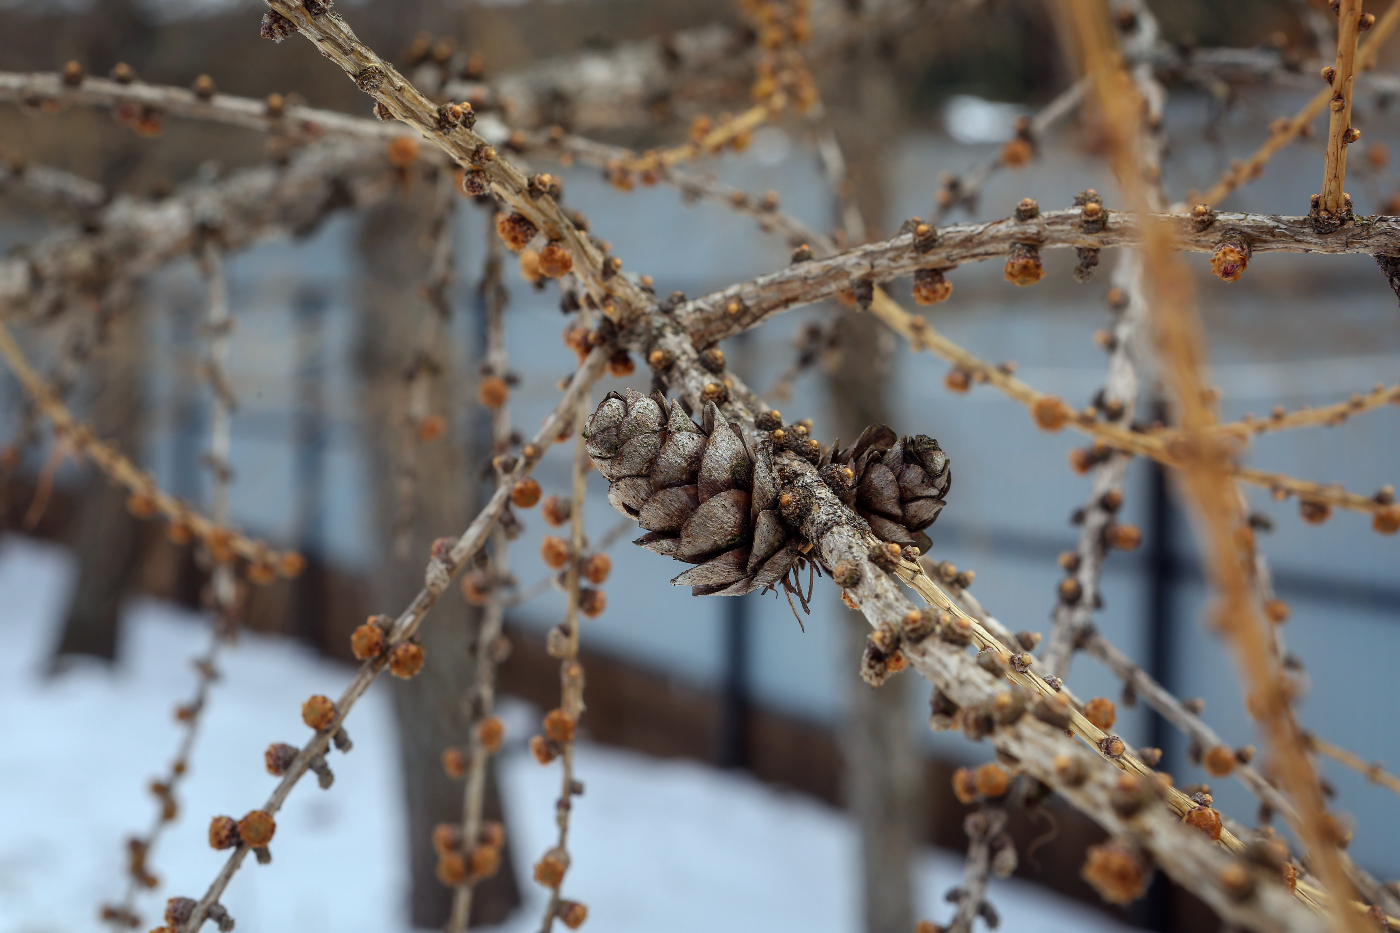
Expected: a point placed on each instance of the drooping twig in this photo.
(1283, 133)
(1118, 400)
(445, 564)
(982, 827)
(147, 498)
(420, 424)
(1177, 335)
(1075, 605)
(223, 585)
(481, 704)
(561, 724)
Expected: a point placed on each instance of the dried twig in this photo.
(451, 131)
(1339, 130)
(446, 563)
(962, 191)
(561, 724)
(481, 703)
(1120, 396)
(147, 498)
(982, 827)
(1282, 133)
(223, 589)
(1177, 333)
(1373, 771)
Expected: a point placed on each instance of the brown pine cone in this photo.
(896, 484)
(702, 494)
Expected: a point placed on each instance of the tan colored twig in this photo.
(963, 190)
(1285, 132)
(1339, 129)
(710, 319)
(483, 701)
(543, 585)
(445, 564)
(1106, 490)
(147, 498)
(419, 423)
(571, 675)
(1204, 470)
(838, 537)
(1373, 771)
(982, 828)
(1305, 417)
(400, 100)
(223, 585)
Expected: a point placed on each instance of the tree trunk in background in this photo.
(882, 765)
(429, 707)
(104, 533)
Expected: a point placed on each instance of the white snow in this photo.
(656, 844)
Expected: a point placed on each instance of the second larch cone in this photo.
(896, 484)
(702, 495)
(707, 497)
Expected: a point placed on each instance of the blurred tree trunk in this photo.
(882, 767)
(429, 707)
(104, 533)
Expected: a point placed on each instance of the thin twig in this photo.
(1106, 492)
(982, 828)
(1283, 133)
(483, 700)
(571, 676)
(1177, 332)
(399, 99)
(1373, 771)
(1339, 131)
(440, 571)
(148, 498)
(962, 191)
(420, 425)
(223, 585)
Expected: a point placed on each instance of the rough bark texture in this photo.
(104, 535)
(429, 706)
(882, 772)
(881, 759)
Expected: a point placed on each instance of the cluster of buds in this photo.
(988, 782)
(223, 545)
(559, 728)
(1117, 870)
(460, 863)
(255, 831)
(370, 642)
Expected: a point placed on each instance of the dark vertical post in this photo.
(310, 436)
(733, 750)
(1157, 911)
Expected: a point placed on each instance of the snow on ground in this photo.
(656, 844)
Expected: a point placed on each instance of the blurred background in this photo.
(730, 752)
